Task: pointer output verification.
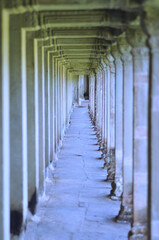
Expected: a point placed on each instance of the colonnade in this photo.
(124, 109)
(47, 49)
(38, 92)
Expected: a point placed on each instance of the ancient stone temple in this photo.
(54, 56)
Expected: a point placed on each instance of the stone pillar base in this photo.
(138, 232)
(125, 214)
(104, 151)
(116, 191)
(110, 165)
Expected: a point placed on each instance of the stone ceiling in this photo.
(82, 30)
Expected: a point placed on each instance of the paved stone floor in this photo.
(77, 205)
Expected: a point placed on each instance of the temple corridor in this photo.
(77, 205)
(79, 119)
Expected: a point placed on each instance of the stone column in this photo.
(64, 94)
(4, 127)
(18, 127)
(47, 106)
(150, 23)
(32, 117)
(95, 98)
(60, 98)
(125, 213)
(108, 109)
(92, 96)
(99, 107)
(54, 105)
(58, 104)
(140, 135)
(110, 158)
(41, 118)
(51, 107)
(105, 108)
(50, 76)
(97, 102)
(116, 191)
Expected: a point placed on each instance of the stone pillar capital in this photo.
(110, 59)
(100, 67)
(106, 62)
(124, 48)
(136, 37)
(150, 21)
(115, 52)
(104, 65)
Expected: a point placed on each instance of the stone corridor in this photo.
(77, 204)
(54, 56)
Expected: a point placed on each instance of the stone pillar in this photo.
(108, 109)
(116, 191)
(58, 104)
(41, 118)
(105, 72)
(55, 104)
(18, 127)
(32, 117)
(60, 99)
(4, 127)
(78, 92)
(125, 213)
(95, 98)
(110, 158)
(140, 135)
(50, 77)
(51, 103)
(54, 75)
(47, 95)
(97, 101)
(64, 94)
(99, 107)
(150, 23)
(92, 96)
(103, 110)
(63, 99)
(101, 101)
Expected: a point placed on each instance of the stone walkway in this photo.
(77, 205)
